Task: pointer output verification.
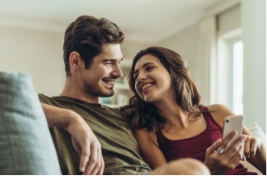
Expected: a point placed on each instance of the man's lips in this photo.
(109, 81)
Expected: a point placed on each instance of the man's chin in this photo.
(107, 94)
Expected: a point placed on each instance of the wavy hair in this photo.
(86, 35)
(144, 114)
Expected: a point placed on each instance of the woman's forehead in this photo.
(144, 60)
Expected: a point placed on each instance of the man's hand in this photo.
(83, 138)
(220, 161)
(87, 146)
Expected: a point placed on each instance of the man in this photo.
(82, 129)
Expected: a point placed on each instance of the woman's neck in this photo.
(173, 113)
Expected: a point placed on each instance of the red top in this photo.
(195, 147)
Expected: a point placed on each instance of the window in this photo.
(229, 71)
(237, 82)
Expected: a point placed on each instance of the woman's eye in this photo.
(149, 68)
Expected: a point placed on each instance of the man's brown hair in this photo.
(86, 35)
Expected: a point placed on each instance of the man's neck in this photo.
(76, 92)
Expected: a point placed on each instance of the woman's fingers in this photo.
(213, 147)
(235, 148)
(226, 142)
(238, 156)
(247, 147)
(253, 146)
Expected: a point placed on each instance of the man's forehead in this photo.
(109, 51)
(111, 48)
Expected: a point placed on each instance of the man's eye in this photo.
(108, 63)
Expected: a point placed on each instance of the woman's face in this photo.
(152, 80)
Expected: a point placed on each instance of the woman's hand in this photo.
(255, 153)
(219, 160)
(251, 145)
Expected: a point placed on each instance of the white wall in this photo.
(38, 53)
(130, 49)
(254, 35)
(185, 43)
(253, 13)
(229, 20)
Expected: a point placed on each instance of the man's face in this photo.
(98, 79)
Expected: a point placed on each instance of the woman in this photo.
(169, 122)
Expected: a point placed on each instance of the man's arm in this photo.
(83, 138)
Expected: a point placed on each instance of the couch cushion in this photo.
(26, 146)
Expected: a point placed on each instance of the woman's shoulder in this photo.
(219, 112)
(218, 107)
(145, 135)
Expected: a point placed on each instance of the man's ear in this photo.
(75, 61)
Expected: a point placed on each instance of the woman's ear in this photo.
(75, 61)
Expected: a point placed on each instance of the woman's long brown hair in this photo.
(145, 115)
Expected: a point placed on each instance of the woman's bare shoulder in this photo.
(146, 135)
(219, 112)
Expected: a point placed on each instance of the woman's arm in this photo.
(150, 151)
(254, 149)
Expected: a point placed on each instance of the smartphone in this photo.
(233, 123)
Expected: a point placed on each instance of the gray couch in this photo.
(26, 146)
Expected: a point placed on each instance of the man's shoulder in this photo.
(115, 110)
(47, 100)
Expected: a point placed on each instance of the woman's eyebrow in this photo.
(143, 66)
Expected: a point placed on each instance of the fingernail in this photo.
(82, 169)
(233, 133)
(219, 141)
(244, 158)
(243, 138)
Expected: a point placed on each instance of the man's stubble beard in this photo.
(95, 91)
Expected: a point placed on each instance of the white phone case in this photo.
(233, 123)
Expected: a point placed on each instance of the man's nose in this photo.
(117, 71)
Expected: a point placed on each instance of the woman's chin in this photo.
(148, 99)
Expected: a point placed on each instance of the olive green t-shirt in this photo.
(119, 146)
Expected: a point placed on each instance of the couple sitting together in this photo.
(162, 130)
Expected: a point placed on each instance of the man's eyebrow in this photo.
(113, 60)
(142, 67)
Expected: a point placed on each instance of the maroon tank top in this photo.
(195, 147)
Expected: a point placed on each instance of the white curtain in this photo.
(205, 66)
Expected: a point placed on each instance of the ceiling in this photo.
(142, 21)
